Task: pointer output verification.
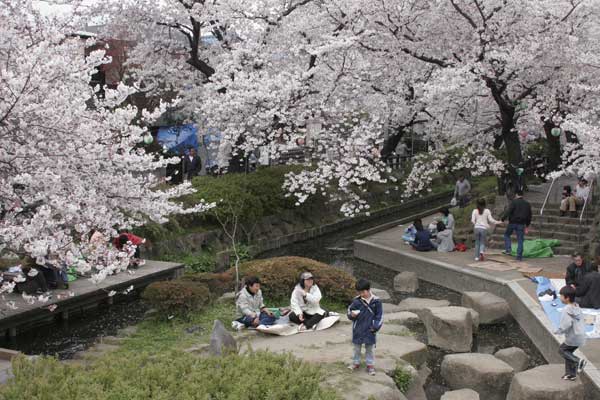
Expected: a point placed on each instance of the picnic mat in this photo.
(492, 266)
(553, 307)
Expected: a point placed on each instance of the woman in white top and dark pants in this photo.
(306, 310)
(481, 220)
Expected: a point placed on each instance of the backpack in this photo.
(460, 247)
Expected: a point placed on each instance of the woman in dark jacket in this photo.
(422, 238)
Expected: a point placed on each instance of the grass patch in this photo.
(168, 375)
(402, 378)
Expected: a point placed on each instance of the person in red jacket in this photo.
(126, 237)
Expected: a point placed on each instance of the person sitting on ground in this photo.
(444, 240)
(422, 240)
(366, 314)
(447, 218)
(305, 303)
(576, 199)
(250, 306)
(461, 191)
(34, 281)
(588, 291)
(578, 269)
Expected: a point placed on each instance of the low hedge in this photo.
(279, 275)
(217, 283)
(176, 297)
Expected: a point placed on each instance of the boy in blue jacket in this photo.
(366, 314)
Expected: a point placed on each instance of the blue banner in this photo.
(178, 139)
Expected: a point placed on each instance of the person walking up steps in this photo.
(519, 219)
(366, 314)
(573, 327)
(481, 218)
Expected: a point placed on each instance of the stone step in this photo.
(561, 220)
(567, 226)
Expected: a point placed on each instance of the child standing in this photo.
(573, 327)
(366, 314)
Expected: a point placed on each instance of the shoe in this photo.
(505, 253)
(476, 258)
(481, 257)
(581, 365)
(370, 370)
(237, 326)
(569, 377)
(353, 367)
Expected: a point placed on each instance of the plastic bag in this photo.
(453, 202)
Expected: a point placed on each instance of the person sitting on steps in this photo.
(306, 310)
(575, 199)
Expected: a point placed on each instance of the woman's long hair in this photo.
(481, 206)
(418, 224)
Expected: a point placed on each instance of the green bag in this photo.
(537, 248)
(276, 312)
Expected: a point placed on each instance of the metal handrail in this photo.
(585, 202)
(547, 196)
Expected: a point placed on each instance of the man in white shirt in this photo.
(577, 199)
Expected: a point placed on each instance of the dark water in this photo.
(78, 333)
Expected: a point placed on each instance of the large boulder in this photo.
(461, 394)
(221, 341)
(417, 304)
(483, 373)
(545, 383)
(360, 386)
(383, 295)
(406, 282)
(402, 317)
(450, 328)
(515, 357)
(491, 308)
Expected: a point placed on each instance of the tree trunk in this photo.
(514, 157)
(553, 151)
(392, 141)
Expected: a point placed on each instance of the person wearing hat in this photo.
(306, 310)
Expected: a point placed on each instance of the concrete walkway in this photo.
(453, 270)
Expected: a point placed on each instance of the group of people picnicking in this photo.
(30, 278)
(365, 311)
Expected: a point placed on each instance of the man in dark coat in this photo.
(519, 219)
(578, 269)
(192, 165)
(587, 294)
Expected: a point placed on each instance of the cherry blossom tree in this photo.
(471, 74)
(70, 162)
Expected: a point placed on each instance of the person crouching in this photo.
(366, 314)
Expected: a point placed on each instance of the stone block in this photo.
(400, 318)
(483, 373)
(545, 383)
(221, 341)
(491, 308)
(406, 282)
(417, 304)
(383, 295)
(462, 394)
(515, 357)
(450, 328)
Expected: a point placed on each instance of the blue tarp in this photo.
(553, 308)
(178, 138)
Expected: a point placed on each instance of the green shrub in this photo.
(176, 297)
(204, 261)
(279, 275)
(402, 377)
(218, 283)
(168, 375)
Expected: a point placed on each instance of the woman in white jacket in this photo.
(482, 220)
(306, 310)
